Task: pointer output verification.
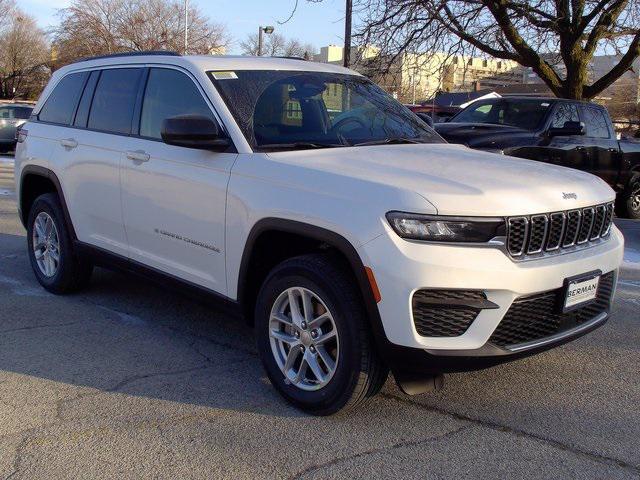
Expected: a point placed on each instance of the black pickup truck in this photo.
(563, 132)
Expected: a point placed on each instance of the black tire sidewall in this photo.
(49, 204)
(633, 184)
(338, 391)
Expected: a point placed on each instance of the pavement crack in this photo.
(603, 459)
(373, 451)
(35, 327)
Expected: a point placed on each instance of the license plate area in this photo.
(580, 291)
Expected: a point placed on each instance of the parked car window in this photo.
(523, 113)
(114, 100)
(280, 109)
(12, 112)
(61, 104)
(596, 122)
(169, 93)
(564, 112)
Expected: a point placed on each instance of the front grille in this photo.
(446, 313)
(554, 232)
(536, 316)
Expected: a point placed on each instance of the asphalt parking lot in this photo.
(126, 380)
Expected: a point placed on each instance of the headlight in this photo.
(436, 228)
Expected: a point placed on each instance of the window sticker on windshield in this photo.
(224, 75)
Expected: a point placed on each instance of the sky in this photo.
(317, 23)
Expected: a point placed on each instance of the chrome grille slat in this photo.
(573, 227)
(538, 227)
(606, 228)
(550, 232)
(588, 215)
(598, 222)
(557, 222)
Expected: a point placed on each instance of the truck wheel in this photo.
(631, 198)
(313, 336)
(57, 267)
(629, 201)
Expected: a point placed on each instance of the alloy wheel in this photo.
(304, 339)
(46, 244)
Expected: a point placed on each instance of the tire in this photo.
(67, 274)
(359, 372)
(631, 198)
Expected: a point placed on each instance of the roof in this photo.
(210, 62)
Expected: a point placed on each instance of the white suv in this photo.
(327, 214)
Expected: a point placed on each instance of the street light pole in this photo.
(186, 26)
(347, 33)
(268, 30)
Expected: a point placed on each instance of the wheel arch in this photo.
(34, 181)
(327, 240)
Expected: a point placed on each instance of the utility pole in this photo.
(347, 33)
(186, 26)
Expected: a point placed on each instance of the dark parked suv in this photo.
(563, 132)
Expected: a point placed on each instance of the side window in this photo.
(114, 100)
(169, 93)
(564, 112)
(596, 122)
(85, 102)
(61, 104)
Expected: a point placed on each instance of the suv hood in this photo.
(458, 180)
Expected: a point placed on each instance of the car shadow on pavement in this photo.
(126, 335)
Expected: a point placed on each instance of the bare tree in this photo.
(96, 27)
(277, 45)
(557, 39)
(24, 54)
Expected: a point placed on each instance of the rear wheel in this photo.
(56, 265)
(313, 336)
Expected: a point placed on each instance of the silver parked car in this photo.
(12, 116)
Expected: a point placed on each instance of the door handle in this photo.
(580, 148)
(69, 143)
(138, 156)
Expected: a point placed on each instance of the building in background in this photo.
(414, 78)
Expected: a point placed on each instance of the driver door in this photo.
(174, 197)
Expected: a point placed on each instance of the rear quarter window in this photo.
(61, 104)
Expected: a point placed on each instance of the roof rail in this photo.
(131, 54)
(289, 57)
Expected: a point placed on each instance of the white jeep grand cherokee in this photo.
(327, 214)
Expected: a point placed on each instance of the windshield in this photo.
(527, 114)
(289, 110)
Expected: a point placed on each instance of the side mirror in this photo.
(193, 131)
(569, 128)
(426, 118)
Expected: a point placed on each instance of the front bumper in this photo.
(402, 267)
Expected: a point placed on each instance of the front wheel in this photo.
(313, 336)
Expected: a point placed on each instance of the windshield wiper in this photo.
(298, 145)
(387, 141)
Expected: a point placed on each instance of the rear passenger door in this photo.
(601, 144)
(174, 197)
(93, 154)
